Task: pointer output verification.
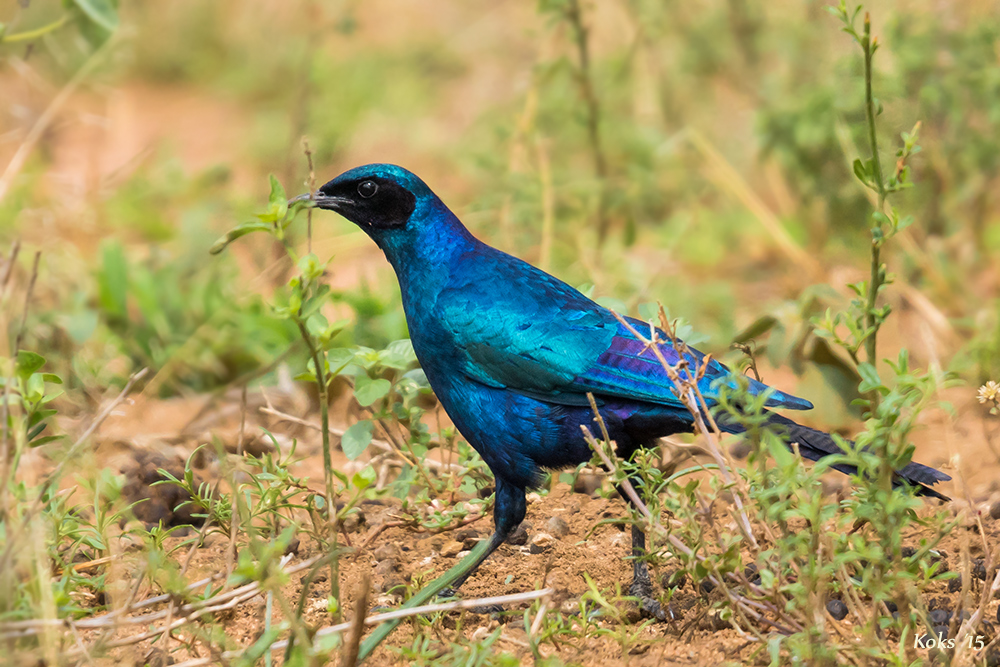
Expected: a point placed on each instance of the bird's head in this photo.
(378, 198)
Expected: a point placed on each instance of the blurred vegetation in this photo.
(698, 154)
(721, 131)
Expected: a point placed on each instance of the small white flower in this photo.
(989, 392)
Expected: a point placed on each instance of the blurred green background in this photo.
(693, 153)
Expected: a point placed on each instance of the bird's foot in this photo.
(448, 593)
(649, 607)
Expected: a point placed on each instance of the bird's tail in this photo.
(815, 445)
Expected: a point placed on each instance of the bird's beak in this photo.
(319, 200)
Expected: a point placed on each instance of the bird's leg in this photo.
(508, 512)
(642, 585)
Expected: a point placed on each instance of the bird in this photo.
(514, 355)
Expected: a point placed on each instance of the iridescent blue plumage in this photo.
(512, 352)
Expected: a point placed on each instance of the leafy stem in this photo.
(41, 31)
(319, 361)
(875, 282)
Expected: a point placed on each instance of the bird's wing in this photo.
(539, 336)
(628, 368)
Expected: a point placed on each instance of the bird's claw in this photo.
(650, 608)
(642, 589)
(487, 609)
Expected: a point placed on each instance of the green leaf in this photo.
(398, 355)
(112, 280)
(237, 232)
(28, 363)
(278, 201)
(101, 12)
(758, 328)
(39, 415)
(357, 438)
(338, 359)
(367, 390)
(364, 477)
(316, 325)
(34, 388)
(52, 377)
(869, 378)
(860, 171)
(38, 442)
(779, 452)
(37, 431)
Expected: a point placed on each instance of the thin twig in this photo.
(377, 619)
(311, 184)
(686, 395)
(349, 657)
(186, 613)
(234, 508)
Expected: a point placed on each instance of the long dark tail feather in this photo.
(814, 445)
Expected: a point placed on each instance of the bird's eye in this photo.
(367, 189)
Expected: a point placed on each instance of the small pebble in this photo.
(837, 609)
(557, 527)
(979, 569)
(393, 585)
(955, 585)
(939, 617)
(519, 536)
(469, 537)
(907, 552)
(995, 510)
(891, 606)
(587, 484)
(387, 550)
(387, 567)
(451, 549)
(619, 541)
(940, 631)
(213, 539)
(541, 542)
(998, 614)
(751, 573)
(715, 621)
(354, 521)
(533, 498)
(939, 602)
(706, 586)
(741, 449)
